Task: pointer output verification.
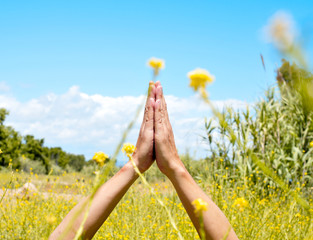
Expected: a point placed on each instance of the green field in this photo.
(35, 214)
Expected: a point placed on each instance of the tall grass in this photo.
(276, 215)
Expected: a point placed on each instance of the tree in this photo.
(60, 157)
(77, 161)
(14, 145)
(33, 149)
(10, 142)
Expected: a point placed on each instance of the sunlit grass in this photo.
(139, 215)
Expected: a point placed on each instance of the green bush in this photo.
(28, 165)
(277, 129)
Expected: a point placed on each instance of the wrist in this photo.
(129, 169)
(180, 176)
(141, 165)
(177, 171)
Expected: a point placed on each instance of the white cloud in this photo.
(83, 124)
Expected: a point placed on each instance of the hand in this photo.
(144, 154)
(166, 153)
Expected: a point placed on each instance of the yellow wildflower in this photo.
(128, 148)
(298, 215)
(156, 64)
(241, 203)
(100, 158)
(1, 151)
(199, 78)
(262, 202)
(200, 206)
(51, 219)
(311, 144)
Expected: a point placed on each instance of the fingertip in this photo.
(151, 91)
(151, 84)
(157, 83)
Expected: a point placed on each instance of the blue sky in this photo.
(47, 47)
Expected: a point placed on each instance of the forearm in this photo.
(215, 224)
(103, 203)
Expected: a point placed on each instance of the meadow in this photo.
(36, 213)
(259, 172)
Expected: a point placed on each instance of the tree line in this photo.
(16, 148)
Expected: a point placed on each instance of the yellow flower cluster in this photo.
(100, 158)
(199, 78)
(156, 64)
(200, 206)
(128, 149)
(51, 219)
(1, 151)
(241, 204)
(311, 144)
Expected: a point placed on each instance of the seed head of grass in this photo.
(281, 31)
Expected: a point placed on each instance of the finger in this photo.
(164, 105)
(166, 117)
(149, 120)
(151, 90)
(158, 113)
(157, 83)
(148, 106)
